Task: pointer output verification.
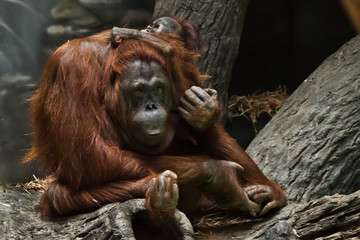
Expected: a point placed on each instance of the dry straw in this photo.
(254, 105)
(37, 184)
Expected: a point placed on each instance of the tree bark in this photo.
(311, 147)
(220, 23)
(331, 217)
(19, 220)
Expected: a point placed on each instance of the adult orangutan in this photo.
(109, 125)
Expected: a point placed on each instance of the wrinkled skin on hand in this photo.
(199, 107)
(265, 196)
(224, 173)
(163, 193)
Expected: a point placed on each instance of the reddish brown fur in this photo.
(77, 125)
(190, 35)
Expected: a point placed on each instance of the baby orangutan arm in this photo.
(117, 34)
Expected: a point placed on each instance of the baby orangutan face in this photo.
(164, 25)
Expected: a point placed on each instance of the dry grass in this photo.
(216, 220)
(253, 105)
(37, 184)
(221, 222)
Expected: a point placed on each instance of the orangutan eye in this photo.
(139, 91)
(158, 90)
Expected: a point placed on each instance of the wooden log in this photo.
(311, 147)
(20, 220)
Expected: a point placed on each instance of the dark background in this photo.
(282, 42)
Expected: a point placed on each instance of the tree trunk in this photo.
(311, 147)
(221, 23)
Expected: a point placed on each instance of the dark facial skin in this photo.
(164, 25)
(147, 95)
